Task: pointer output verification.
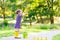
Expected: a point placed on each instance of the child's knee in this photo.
(17, 30)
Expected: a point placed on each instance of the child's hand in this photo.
(26, 13)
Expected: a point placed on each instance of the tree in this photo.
(2, 5)
(13, 7)
(50, 6)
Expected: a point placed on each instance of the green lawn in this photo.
(9, 30)
(5, 33)
(57, 37)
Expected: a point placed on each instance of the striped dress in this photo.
(18, 21)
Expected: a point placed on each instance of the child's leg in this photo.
(16, 32)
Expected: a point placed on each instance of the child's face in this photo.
(20, 12)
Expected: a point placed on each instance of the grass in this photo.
(9, 30)
(6, 33)
(57, 37)
(47, 26)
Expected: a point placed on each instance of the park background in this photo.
(43, 15)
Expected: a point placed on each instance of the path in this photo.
(48, 34)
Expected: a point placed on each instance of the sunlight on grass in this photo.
(11, 32)
(6, 34)
(8, 31)
(57, 37)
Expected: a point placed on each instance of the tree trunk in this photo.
(2, 5)
(30, 21)
(51, 19)
(3, 8)
(3, 13)
(41, 20)
(37, 20)
(51, 16)
(50, 6)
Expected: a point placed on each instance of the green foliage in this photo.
(31, 13)
(47, 27)
(33, 7)
(8, 6)
(44, 27)
(12, 0)
(14, 7)
(5, 22)
(0, 25)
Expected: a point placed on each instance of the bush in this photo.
(52, 26)
(0, 25)
(5, 22)
(44, 27)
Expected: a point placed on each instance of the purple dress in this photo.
(18, 21)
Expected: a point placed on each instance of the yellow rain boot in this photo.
(16, 34)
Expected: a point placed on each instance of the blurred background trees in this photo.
(38, 10)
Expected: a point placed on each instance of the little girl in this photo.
(18, 22)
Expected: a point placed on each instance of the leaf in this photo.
(12, 0)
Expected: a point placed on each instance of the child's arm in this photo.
(24, 14)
